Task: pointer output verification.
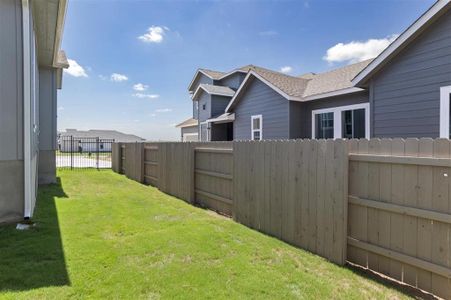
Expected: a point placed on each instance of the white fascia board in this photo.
(400, 42)
(346, 91)
(62, 8)
(252, 73)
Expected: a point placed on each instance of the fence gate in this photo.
(83, 152)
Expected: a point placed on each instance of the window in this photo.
(257, 127)
(353, 124)
(324, 126)
(352, 121)
(445, 120)
(204, 106)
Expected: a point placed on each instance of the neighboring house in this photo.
(31, 65)
(404, 92)
(93, 140)
(189, 130)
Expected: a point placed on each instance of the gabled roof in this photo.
(332, 81)
(432, 14)
(306, 87)
(213, 90)
(188, 123)
(214, 75)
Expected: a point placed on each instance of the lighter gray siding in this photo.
(406, 93)
(218, 105)
(308, 107)
(11, 85)
(192, 129)
(47, 109)
(11, 111)
(258, 99)
(47, 125)
(233, 81)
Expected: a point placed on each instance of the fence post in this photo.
(139, 161)
(192, 149)
(71, 152)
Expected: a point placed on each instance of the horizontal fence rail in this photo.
(383, 204)
(400, 210)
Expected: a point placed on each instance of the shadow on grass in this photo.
(34, 258)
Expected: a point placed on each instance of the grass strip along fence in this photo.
(383, 204)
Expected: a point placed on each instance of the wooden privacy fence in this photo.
(399, 210)
(383, 204)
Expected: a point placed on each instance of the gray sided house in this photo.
(31, 64)
(403, 92)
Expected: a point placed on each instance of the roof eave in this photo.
(345, 91)
(256, 75)
(401, 42)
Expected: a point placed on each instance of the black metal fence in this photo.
(83, 152)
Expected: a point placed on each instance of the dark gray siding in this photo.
(204, 99)
(308, 107)
(296, 118)
(259, 99)
(11, 97)
(233, 81)
(201, 79)
(406, 92)
(218, 105)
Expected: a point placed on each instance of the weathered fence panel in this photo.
(116, 158)
(384, 204)
(295, 191)
(151, 164)
(400, 210)
(133, 162)
(213, 178)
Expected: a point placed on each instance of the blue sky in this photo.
(116, 45)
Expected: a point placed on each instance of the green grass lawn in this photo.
(101, 235)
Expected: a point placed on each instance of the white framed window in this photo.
(257, 127)
(350, 121)
(445, 98)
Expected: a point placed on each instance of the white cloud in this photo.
(154, 34)
(357, 51)
(75, 69)
(286, 69)
(268, 33)
(60, 108)
(140, 87)
(116, 77)
(146, 96)
(152, 115)
(163, 110)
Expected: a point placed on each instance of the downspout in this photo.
(27, 107)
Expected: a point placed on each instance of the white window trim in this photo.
(260, 117)
(337, 118)
(445, 92)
